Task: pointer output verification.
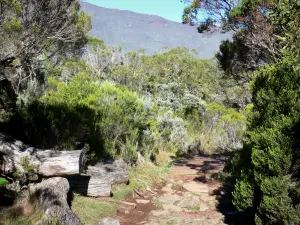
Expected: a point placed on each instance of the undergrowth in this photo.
(92, 210)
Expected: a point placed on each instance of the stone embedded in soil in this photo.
(167, 190)
(196, 187)
(159, 213)
(169, 185)
(109, 221)
(204, 207)
(126, 207)
(187, 194)
(219, 216)
(172, 208)
(129, 203)
(142, 201)
(152, 223)
(207, 198)
(169, 199)
(189, 203)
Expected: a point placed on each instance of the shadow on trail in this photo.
(225, 206)
(208, 167)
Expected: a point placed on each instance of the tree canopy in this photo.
(255, 39)
(32, 32)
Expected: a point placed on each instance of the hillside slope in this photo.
(134, 31)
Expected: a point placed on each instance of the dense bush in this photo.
(225, 128)
(110, 119)
(268, 182)
(124, 104)
(267, 169)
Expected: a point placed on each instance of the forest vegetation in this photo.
(62, 89)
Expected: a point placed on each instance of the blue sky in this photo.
(169, 9)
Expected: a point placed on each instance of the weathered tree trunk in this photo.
(52, 197)
(96, 182)
(113, 171)
(50, 162)
(99, 178)
(90, 186)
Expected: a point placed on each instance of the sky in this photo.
(169, 9)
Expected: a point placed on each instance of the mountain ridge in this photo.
(134, 31)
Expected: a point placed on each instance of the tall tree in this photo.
(268, 180)
(255, 36)
(31, 32)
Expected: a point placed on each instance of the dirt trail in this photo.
(189, 196)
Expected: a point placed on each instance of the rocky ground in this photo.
(190, 196)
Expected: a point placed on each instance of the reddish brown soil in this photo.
(194, 168)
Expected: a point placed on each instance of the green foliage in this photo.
(244, 193)
(224, 127)
(287, 18)
(13, 25)
(108, 118)
(29, 172)
(35, 33)
(206, 25)
(273, 162)
(3, 181)
(174, 78)
(8, 100)
(91, 210)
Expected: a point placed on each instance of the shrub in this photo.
(108, 118)
(162, 158)
(173, 132)
(29, 172)
(224, 128)
(3, 181)
(268, 175)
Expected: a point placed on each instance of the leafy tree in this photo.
(101, 57)
(268, 171)
(254, 33)
(32, 32)
(206, 25)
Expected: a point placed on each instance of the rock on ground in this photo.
(196, 187)
(109, 221)
(51, 195)
(189, 203)
(169, 198)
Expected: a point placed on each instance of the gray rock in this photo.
(142, 201)
(171, 208)
(169, 185)
(109, 221)
(159, 213)
(189, 203)
(204, 207)
(51, 195)
(196, 187)
(169, 198)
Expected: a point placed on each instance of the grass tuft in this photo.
(92, 210)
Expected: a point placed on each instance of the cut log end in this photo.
(50, 162)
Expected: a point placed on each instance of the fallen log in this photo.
(114, 171)
(52, 197)
(90, 186)
(99, 178)
(49, 162)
